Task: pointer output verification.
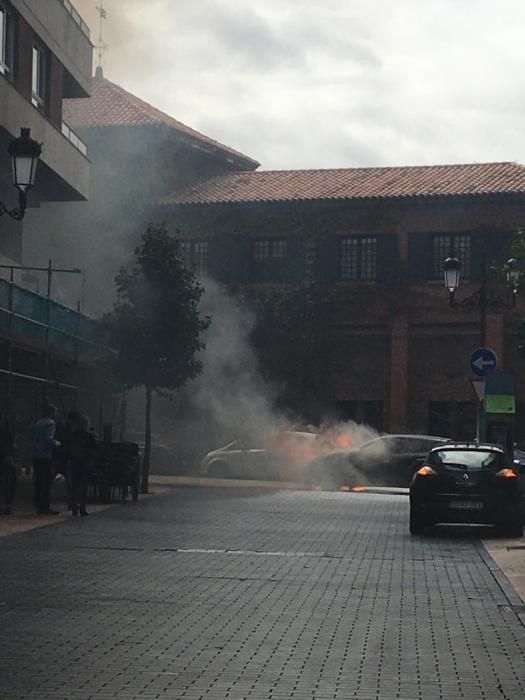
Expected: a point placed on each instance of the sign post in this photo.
(482, 362)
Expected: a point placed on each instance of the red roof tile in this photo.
(355, 183)
(111, 105)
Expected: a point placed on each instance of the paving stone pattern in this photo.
(224, 593)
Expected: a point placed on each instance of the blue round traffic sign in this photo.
(483, 360)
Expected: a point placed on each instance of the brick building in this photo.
(381, 236)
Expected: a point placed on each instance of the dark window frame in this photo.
(194, 254)
(268, 257)
(40, 63)
(7, 41)
(445, 245)
(358, 258)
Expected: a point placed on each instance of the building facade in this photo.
(47, 350)
(380, 235)
(45, 56)
(137, 154)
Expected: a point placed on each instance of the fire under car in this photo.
(468, 484)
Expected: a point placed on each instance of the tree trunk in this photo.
(147, 443)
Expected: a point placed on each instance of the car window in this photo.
(407, 445)
(471, 460)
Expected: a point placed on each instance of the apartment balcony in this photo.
(63, 171)
(64, 32)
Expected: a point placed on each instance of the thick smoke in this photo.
(231, 402)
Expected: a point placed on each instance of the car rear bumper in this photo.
(471, 508)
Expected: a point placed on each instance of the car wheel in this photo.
(417, 523)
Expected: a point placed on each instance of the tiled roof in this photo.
(111, 105)
(355, 183)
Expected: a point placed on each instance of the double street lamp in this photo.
(24, 152)
(482, 298)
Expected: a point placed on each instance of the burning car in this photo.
(387, 460)
(280, 456)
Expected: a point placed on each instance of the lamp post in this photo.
(24, 152)
(481, 298)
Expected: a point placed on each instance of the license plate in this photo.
(466, 505)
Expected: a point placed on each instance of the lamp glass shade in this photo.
(24, 172)
(513, 272)
(452, 271)
(24, 152)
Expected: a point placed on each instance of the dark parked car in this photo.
(388, 460)
(467, 483)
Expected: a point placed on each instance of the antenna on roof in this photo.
(101, 46)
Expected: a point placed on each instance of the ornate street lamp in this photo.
(513, 274)
(482, 298)
(452, 270)
(24, 152)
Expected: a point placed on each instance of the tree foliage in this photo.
(154, 329)
(292, 340)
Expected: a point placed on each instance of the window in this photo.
(269, 259)
(6, 42)
(268, 249)
(194, 254)
(359, 258)
(39, 77)
(457, 246)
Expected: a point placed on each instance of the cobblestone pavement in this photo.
(224, 593)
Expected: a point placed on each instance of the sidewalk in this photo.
(509, 555)
(23, 516)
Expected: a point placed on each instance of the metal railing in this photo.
(77, 142)
(76, 17)
(36, 320)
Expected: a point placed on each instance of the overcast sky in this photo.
(329, 83)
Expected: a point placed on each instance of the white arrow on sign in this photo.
(480, 363)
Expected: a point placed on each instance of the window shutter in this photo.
(295, 261)
(387, 247)
(329, 258)
(419, 256)
(228, 257)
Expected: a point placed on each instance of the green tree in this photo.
(154, 330)
(292, 340)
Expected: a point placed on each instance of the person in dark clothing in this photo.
(8, 477)
(81, 452)
(43, 437)
(61, 456)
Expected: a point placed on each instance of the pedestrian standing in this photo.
(43, 437)
(61, 456)
(8, 477)
(81, 452)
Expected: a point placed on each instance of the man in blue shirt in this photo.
(44, 443)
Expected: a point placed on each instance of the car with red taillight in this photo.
(470, 483)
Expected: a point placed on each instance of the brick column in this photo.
(496, 336)
(398, 374)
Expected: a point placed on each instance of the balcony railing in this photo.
(77, 142)
(34, 320)
(76, 17)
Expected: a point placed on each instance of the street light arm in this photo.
(478, 299)
(18, 212)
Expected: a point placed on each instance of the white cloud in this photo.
(300, 83)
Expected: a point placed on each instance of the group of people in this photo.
(66, 449)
